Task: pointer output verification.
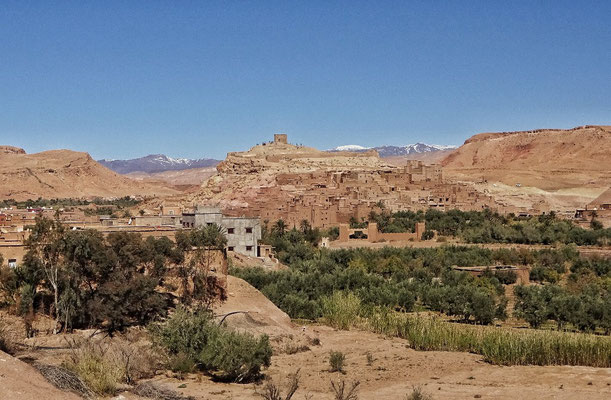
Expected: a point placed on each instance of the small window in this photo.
(230, 230)
(209, 223)
(248, 248)
(12, 263)
(230, 248)
(249, 230)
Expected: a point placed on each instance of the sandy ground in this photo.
(396, 369)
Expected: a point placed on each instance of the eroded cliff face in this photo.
(544, 158)
(11, 150)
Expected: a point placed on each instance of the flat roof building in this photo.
(243, 233)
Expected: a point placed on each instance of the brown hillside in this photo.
(546, 158)
(64, 173)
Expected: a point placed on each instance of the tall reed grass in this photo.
(503, 346)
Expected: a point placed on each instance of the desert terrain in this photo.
(63, 174)
(548, 159)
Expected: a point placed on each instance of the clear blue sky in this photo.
(122, 79)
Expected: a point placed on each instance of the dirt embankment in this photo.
(19, 380)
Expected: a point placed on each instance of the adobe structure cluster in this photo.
(327, 198)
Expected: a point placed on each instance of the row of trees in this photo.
(490, 227)
(122, 202)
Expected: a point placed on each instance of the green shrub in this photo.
(181, 364)
(336, 361)
(193, 339)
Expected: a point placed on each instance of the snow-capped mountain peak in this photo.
(426, 148)
(351, 147)
(156, 163)
(388, 151)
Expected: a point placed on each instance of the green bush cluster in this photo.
(194, 340)
(588, 310)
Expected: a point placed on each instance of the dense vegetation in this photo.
(407, 279)
(373, 290)
(490, 227)
(84, 279)
(195, 341)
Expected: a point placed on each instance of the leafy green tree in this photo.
(45, 247)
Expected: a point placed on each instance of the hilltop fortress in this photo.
(278, 180)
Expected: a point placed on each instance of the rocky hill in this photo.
(242, 174)
(64, 173)
(155, 163)
(545, 158)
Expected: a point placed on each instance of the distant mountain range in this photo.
(156, 163)
(392, 151)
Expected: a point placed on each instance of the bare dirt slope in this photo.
(433, 157)
(19, 380)
(65, 173)
(193, 176)
(546, 158)
(257, 315)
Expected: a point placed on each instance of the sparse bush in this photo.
(418, 394)
(64, 379)
(90, 362)
(343, 392)
(152, 390)
(272, 392)
(336, 361)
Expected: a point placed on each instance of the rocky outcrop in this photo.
(11, 150)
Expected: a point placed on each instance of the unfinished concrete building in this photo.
(243, 233)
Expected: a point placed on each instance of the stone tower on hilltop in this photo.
(280, 138)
